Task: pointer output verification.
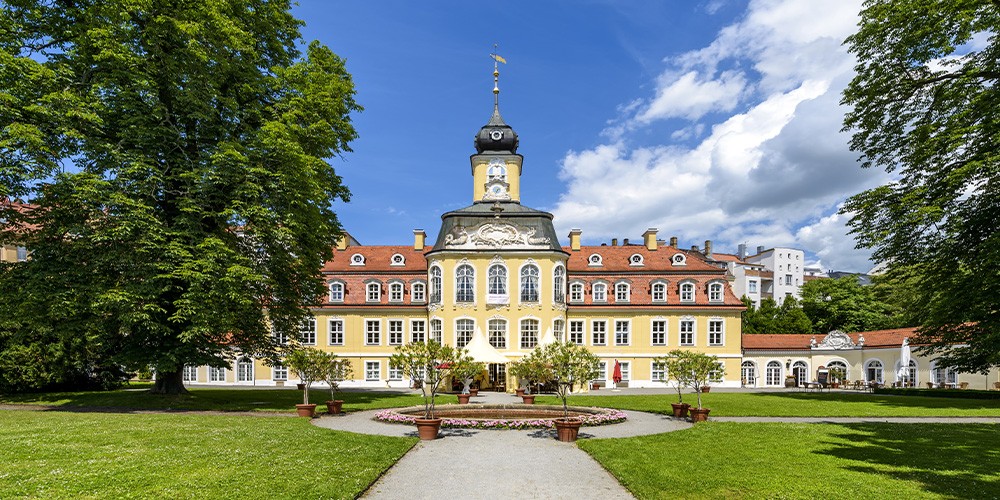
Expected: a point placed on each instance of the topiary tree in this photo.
(703, 369)
(568, 364)
(678, 371)
(309, 365)
(429, 361)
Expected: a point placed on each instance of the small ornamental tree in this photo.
(568, 365)
(431, 361)
(532, 369)
(335, 371)
(703, 369)
(678, 371)
(466, 369)
(309, 365)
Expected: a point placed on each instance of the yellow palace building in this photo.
(498, 282)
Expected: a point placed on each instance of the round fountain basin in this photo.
(507, 416)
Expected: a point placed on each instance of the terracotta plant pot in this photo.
(680, 409)
(333, 407)
(595, 387)
(300, 387)
(706, 388)
(567, 429)
(306, 410)
(699, 414)
(474, 392)
(520, 392)
(463, 399)
(529, 399)
(427, 428)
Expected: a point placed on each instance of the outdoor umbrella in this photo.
(617, 377)
(904, 361)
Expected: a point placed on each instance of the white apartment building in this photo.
(777, 273)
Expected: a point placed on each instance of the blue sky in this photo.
(707, 120)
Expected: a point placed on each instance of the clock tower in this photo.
(496, 166)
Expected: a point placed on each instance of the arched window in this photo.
(435, 284)
(244, 370)
(559, 330)
(907, 377)
(801, 372)
(659, 292)
(497, 171)
(715, 292)
(773, 373)
(600, 292)
(336, 292)
(498, 333)
(874, 372)
(622, 292)
(465, 284)
(498, 279)
(436, 331)
(529, 283)
(687, 292)
(463, 332)
(943, 376)
(559, 284)
(842, 367)
(748, 374)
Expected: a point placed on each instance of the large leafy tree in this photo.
(924, 106)
(772, 318)
(177, 155)
(844, 304)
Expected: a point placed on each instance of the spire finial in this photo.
(496, 75)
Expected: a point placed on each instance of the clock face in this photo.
(497, 189)
(496, 135)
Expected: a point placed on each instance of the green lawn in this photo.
(98, 455)
(851, 461)
(281, 400)
(798, 404)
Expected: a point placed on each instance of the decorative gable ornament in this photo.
(494, 234)
(837, 341)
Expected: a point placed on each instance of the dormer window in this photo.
(397, 260)
(659, 292)
(600, 292)
(357, 260)
(336, 292)
(679, 259)
(594, 260)
(395, 292)
(715, 292)
(622, 292)
(687, 292)
(576, 292)
(418, 292)
(373, 292)
(635, 260)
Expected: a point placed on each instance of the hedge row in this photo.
(941, 393)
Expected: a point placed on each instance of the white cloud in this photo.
(773, 165)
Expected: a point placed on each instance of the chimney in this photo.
(342, 241)
(574, 239)
(741, 251)
(708, 248)
(760, 249)
(695, 248)
(649, 239)
(673, 241)
(419, 237)
(614, 242)
(625, 243)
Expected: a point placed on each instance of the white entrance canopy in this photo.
(481, 350)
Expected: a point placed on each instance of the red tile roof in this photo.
(803, 341)
(377, 259)
(616, 259)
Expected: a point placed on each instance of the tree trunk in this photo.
(171, 382)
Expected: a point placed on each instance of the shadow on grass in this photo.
(946, 459)
(884, 399)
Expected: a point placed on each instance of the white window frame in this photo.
(721, 333)
(623, 292)
(279, 373)
(595, 331)
(307, 331)
(357, 260)
(369, 331)
(636, 260)
(657, 372)
(559, 329)
(465, 284)
(576, 292)
(749, 379)
(333, 332)
(528, 341)
(559, 284)
(623, 333)
(497, 282)
(395, 331)
(681, 331)
(436, 278)
(396, 291)
(599, 292)
(577, 331)
(498, 334)
(772, 377)
(752, 286)
(716, 292)
(653, 333)
(397, 260)
(464, 327)
(602, 371)
(394, 373)
(244, 374)
(687, 291)
(658, 292)
(525, 285)
(373, 367)
(373, 292)
(338, 296)
(418, 292)
(595, 260)
(216, 374)
(190, 373)
(421, 330)
(435, 330)
(626, 367)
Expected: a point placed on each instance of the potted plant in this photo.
(569, 365)
(703, 369)
(533, 369)
(836, 377)
(433, 362)
(308, 364)
(336, 371)
(675, 363)
(465, 369)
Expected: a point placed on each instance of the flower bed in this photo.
(593, 417)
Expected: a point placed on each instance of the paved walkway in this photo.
(501, 464)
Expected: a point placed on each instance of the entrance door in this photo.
(800, 372)
(498, 375)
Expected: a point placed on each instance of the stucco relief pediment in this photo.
(494, 234)
(836, 340)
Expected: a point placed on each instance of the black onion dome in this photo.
(496, 136)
